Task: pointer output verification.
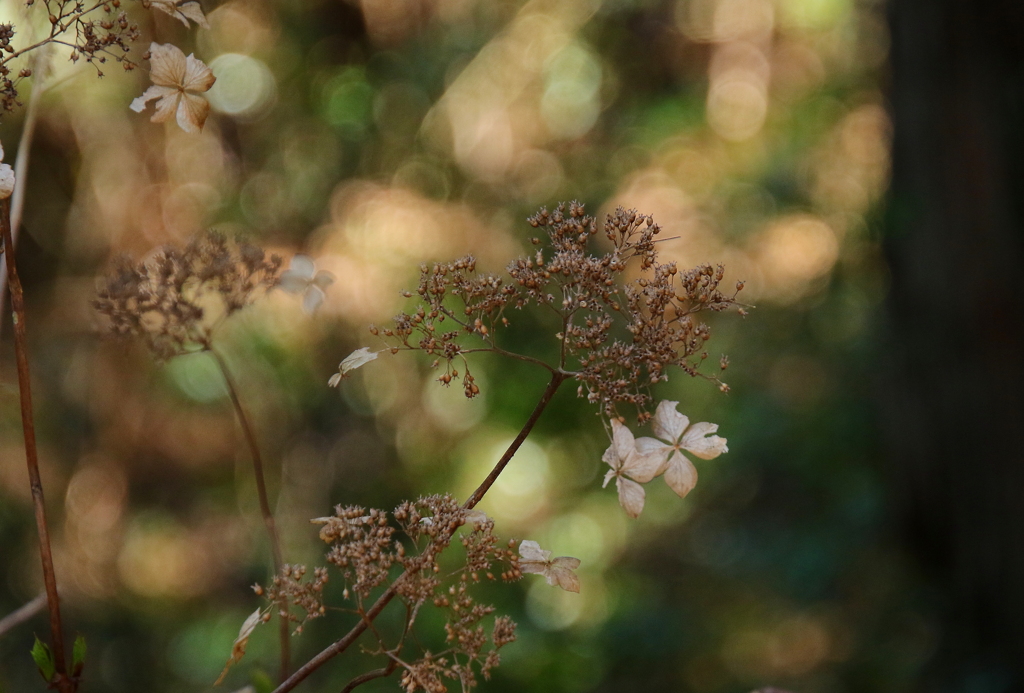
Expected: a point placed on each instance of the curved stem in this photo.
(261, 490)
(384, 599)
(62, 682)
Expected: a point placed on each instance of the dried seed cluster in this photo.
(174, 299)
(620, 328)
(367, 551)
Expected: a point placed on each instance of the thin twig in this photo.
(261, 490)
(22, 614)
(61, 680)
(384, 599)
(370, 676)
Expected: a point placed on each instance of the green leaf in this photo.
(78, 656)
(43, 659)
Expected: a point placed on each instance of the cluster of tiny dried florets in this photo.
(363, 546)
(289, 588)
(174, 299)
(618, 335)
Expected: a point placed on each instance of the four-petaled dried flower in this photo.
(6, 177)
(673, 427)
(177, 84)
(557, 571)
(182, 10)
(351, 362)
(238, 648)
(301, 277)
(626, 460)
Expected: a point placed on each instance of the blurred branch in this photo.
(22, 614)
(61, 681)
(384, 599)
(261, 488)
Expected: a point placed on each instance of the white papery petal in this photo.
(622, 439)
(301, 266)
(313, 299)
(643, 466)
(6, 180)
(564, 577)
(167, 65)
(192, 113)
(198, 77)
(631, 496)
(699, 441)
(668, 423)
(681, 475)
(335, 380)
(323, 279)
(356, 359)
(194, 11)
(532, 552)
(154, 92)
(653, 446)
(292, 281)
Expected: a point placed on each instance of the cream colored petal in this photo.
(681, 475)
(611, 458)
(193, 11)
(238, 648)
(644, 466)
(531, 552)
(622, 438)
(334, 380)
(192, 113)
(6, 181)
(313, 299)
(155, 92)
(168, 7)
(293, 282)
(653, 446)
(566, 562)
(564, 578)
(609, 475)
(631, 496)
(167, 65)
(699, 441)
(301, 266)
(668, 423)
(477, 518)
(166, 107)
(198, 77)
(1, 152)
(357, 358)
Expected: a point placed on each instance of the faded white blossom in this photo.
(676, 435)
(177, 84)
(557, 571)
(302, 277)
(182, 10)
(625, 461)
(351, 362)
(6, 177)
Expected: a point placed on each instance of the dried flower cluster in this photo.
(618, 335)
(178, 82)
(369, 548)
(174, 299)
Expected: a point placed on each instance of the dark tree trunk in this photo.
(954, 395)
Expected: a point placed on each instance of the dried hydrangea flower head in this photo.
(630, 468)
(673, 435)
(619, 332)
(174, 299)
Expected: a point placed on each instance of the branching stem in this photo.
(261, 490)
(384, 599)
(61, 681)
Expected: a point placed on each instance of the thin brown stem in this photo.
(384, 599)
(381, 673)
(62, 682)
(261, 490)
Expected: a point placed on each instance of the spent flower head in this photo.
(302, 277)
(630, 468)
(557, 571)
(676, 435)
(174, 299)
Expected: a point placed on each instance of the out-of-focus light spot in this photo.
(571, 101)
(538, 175)
(552, 608)
(737, 107)
(522, 488)
(95, 497)
(793, 252)
(348, 102)
(158, 559)
(240, 26)
(450, 408)
(798, 645)
(197, 377)
(743, 19)
(245, 86)
(798, 380)
(187, 207)
(483, 138)
(813, 14)
(583, 533)
(388, 22)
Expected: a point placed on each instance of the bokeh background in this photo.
(374, 135)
